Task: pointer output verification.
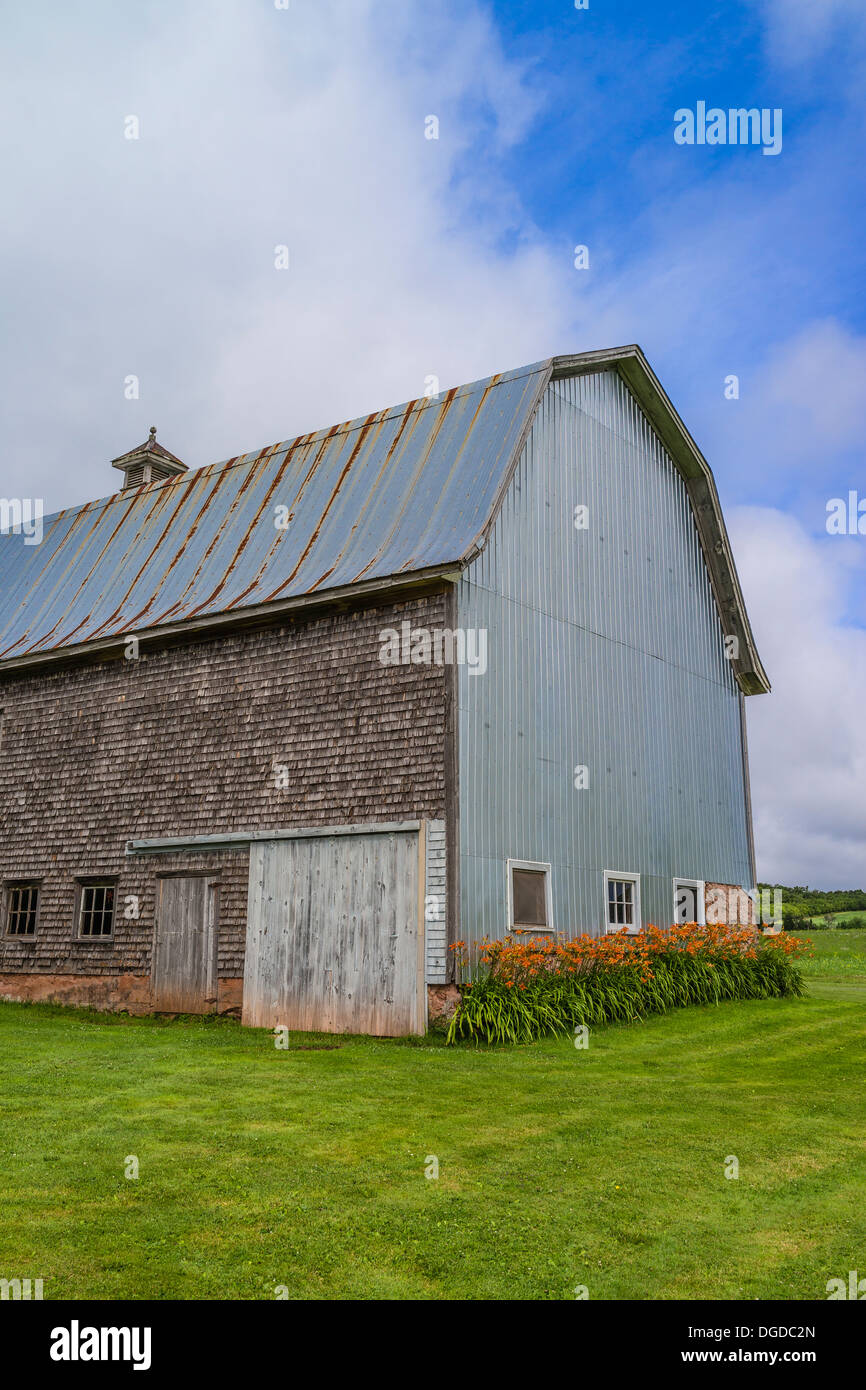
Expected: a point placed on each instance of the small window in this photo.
(622, 902)
(529, 906)
(22, 906)
(96, 910)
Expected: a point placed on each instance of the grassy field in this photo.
(839, 956)
(557, 1167)
(835, 919)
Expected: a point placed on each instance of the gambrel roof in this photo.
(390, 501)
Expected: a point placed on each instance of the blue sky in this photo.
(304, 126)
(783, 236)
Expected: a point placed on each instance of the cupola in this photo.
(148, 463)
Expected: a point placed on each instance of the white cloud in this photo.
(259, 128)
(807, 739)
(800, 31)
(817, 381)
(795, 436)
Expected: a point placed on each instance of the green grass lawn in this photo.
(557, 1167)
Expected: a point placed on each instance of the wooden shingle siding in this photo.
(192, 738)
(436, 915)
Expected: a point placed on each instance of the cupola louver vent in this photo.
(148, 463)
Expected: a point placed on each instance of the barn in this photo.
(276, 731)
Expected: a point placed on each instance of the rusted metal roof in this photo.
(404, 490)
(410, 491)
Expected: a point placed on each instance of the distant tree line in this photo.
(801, 904)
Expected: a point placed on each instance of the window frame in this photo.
(94, 881)
(622, 876)
(700, 886)
(534, 866)
(9, 886)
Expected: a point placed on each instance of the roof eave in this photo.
(391, 587)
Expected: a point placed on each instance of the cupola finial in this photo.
(148, 463)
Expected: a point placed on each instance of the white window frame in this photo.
(700, 885)
(536, 867)
(626, 877)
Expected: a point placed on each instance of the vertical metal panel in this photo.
(335, 936)
(184, 949)
(604, 650)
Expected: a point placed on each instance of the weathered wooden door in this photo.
(335, 935)
(184, 975)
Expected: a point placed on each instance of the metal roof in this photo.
(404, 490)
(383, 501)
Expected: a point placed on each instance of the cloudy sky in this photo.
(304, 126)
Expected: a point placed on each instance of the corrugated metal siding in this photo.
(402, 490)
(604, 650)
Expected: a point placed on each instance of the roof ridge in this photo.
(267, 451)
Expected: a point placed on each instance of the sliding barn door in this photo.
(335, 935)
